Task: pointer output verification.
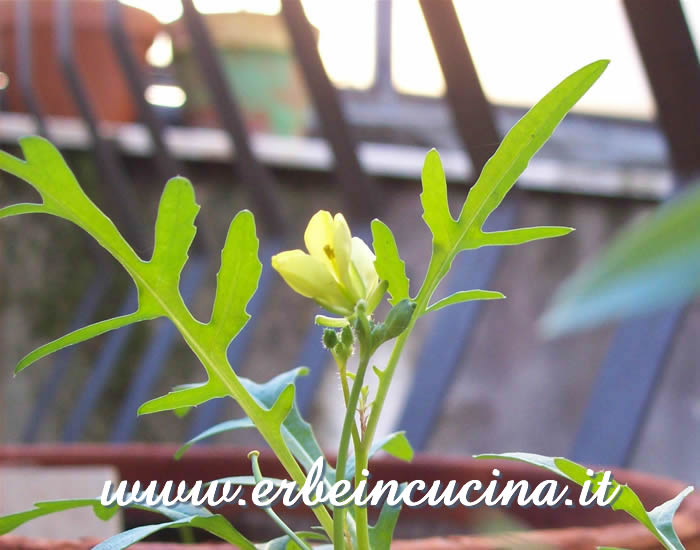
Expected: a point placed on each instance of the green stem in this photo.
(268, 509)
(341, 463)
(361, 521)
(424, 294)
(342, 369)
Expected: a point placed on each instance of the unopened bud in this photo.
(398, 318)
(330, 338)
(346, 336)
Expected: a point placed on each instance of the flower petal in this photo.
(309, 277)
(342, 251)
(363, 260)
(319, 235)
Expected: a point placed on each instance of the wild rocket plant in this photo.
(348, 280)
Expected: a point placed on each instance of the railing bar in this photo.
(99, 376)
(257, 179)
(625, 388)
(360, 193)
(167, 164)
(473, 115)
(671, 62)
(383, 80)
(62, 360)
(24, 63)
(111, 169)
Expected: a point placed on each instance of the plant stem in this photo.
(346, 397)
(348, 424)
(424, 294)
(268, 509)
(361, 522)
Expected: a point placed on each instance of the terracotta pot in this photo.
(563, 528)
(95, 56)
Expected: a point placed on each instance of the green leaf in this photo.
(465, 296)
(180, 515)
(497, 178)
(18, 209)
(215, 524)
(46, 171)
(520, 145)
(659, 521)
(382, 532)
(237, 279)
(79, 335)
(12, 521)
(390, 267)
(174, 232)
(184, 397)
(295, 430)
(157, 280)
(436, 210)
(157, 284)
(653, 264)
(394, 444)
(523, 235)
(223, 427)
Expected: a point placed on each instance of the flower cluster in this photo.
(338, 270)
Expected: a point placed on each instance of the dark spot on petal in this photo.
(329, 252)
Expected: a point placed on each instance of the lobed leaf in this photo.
(157, 280)
(46, 171)
(659, 521)
(390, 267)
(497, 178)
(520, 145)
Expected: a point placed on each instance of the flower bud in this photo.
(330, 338)
(398, 318)
(347, 337)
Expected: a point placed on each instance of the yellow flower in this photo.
(337, 272)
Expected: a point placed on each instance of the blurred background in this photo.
(287, 108)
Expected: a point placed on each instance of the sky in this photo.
(521, 49)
